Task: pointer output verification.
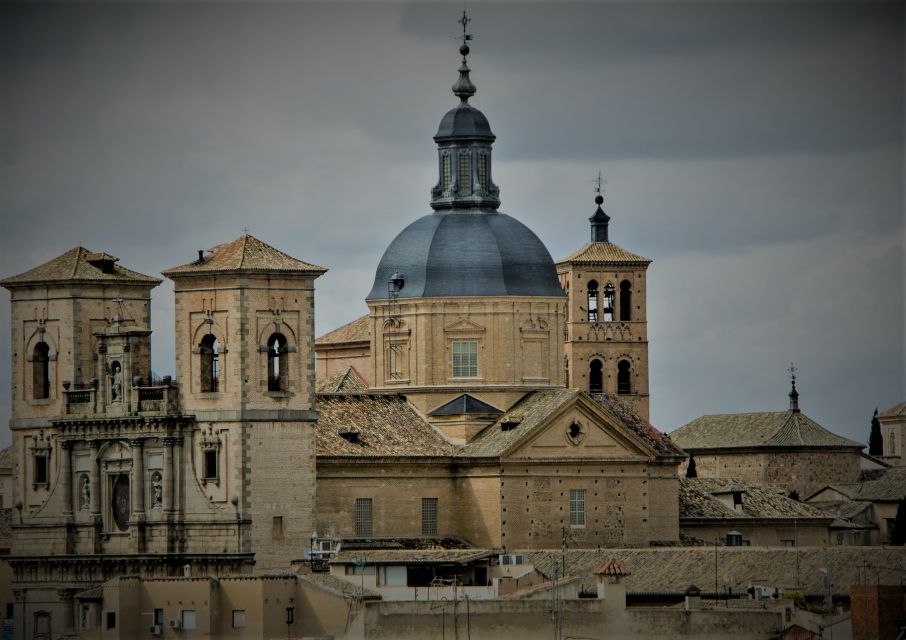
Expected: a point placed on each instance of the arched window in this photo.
(210, 364)
(592, 301)
(40, 363)
(595, 377)
(624, 385)
(608, 303)
(277, 363)
(625, 300)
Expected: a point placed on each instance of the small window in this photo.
(624, 384)
(465, 358)
(363, 516)
(111, 619)
(577, 508)
(447, 175)
(238, 618)
(40, 363)
(188, 620)
(40, 469)
(277, 528)
(625, 300)
(209, 351)
(592, 301)
(465, 175)
(210, 464)
(429, 516)
(277, 363)
(788, 543)
(608, 303)
(734, 539)
(290, 615)
(483, 171)
(158, 616)
(595, 376)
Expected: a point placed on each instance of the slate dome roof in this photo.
(464, 122)
(473, 253)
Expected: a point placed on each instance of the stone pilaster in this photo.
(66, 478)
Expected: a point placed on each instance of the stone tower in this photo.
(245, 363)
(606, 349)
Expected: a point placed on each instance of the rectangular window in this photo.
(277, 528)
(465, 175)
(290, 615)
(41, 469)
(238, 618)
(158, 616)
(577, 508)
(447, 172)
(788, 543)
(363, 516)
(483, 171)
(210, 464)
(465, 358)
(429, 516)
(188, 619)
(111, 619)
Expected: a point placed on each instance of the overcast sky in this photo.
(753, 151)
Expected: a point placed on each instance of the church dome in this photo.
(464, 122)
(479, 253)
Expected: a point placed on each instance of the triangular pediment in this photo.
(580, 428)
(464, 325)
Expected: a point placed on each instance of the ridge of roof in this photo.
(78, 264)
(246, 253)
(604, 252)
(788, 429)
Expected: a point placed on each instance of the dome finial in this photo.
(599, 220)
(794, 395)
(463, 87)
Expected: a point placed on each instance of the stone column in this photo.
(66, 478)
(138, 478)
(168, 476)
(177, 475)
(95, 479)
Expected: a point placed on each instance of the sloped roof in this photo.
(359, 330)
(610, 568)
(697, 501)
(338, 586)
(672, 569)
(890, 487)
(246, 253)
(604, 252)
(785, 429)
(464, 405)
(894, 411)
(386, 425)
(80, 264)
(346, 381)
(528, 415)
(662, 444)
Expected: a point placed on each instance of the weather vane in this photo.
(245, 231)
(793, 371)
(599, 182)
(464, 21)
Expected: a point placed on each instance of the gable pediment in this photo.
(581, 430)
(464, 325)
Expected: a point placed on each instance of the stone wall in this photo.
(878, 611)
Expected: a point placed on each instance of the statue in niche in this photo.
(157, 490)
(116, 387)
(84, 492)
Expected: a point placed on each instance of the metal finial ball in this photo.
(464, 50)
(599, 199)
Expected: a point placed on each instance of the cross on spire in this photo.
(464, 21)
(794, 395)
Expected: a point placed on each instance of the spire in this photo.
(794, 395)
(600, 220)
(463, 87)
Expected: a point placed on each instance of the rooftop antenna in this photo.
(794, 395)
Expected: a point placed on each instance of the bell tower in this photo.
(606, 348)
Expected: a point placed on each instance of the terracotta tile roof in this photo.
(346, 381)
(894, 411)
(246, 253)
(527, 416)
(672, 569)
(80, 264)
(890, 487)
(359, 330)
(6, 458)
(662, 444)
(383, 424)
(610, 568)
(338, 586)
(415, 556)
(604, 252)
(697, 501)
(787, 429)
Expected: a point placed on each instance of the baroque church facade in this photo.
(490, 395)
